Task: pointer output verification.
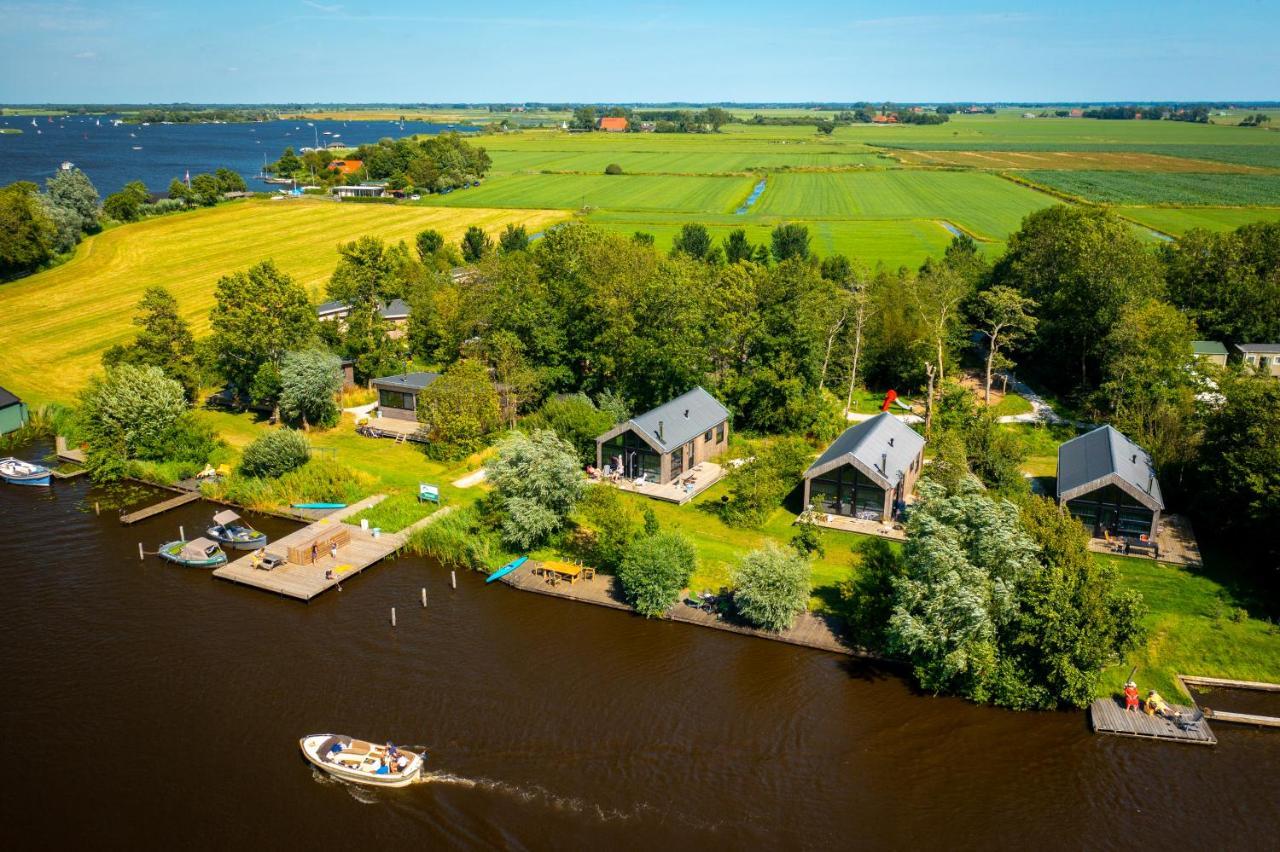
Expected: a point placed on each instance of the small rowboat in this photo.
(18, 472)
(506, 569)
(200, 553)
(227, 529)
(361, 762)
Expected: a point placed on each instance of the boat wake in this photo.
(537, 795)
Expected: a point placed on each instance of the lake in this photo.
(112, 155)
(149, 706)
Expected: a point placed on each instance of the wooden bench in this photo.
(320, 545)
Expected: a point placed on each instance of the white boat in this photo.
(361, 762)
(18, 472)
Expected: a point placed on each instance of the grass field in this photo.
(1133, 161)
(679, 162)
(1176, 221)
(1116, 187)
(66, 316)
(615, 192)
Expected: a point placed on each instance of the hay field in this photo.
(55, 325)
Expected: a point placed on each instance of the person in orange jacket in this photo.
(1131, 697)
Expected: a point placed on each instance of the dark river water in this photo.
(114, 155)
(151, 707)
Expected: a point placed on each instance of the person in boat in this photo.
(402, 763)
(1131, 697)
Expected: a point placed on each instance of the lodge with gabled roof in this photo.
(1109, 483)
(868, 472)
(661, 444)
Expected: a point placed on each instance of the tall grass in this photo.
(459, 540)
(320, 480)
(46, 421)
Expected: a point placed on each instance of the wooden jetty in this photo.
(304, 582)
(66, 454)
(809, 630)
(163, 506)
(1227, 715)
(1108, 716)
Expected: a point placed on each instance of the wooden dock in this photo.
(809, 631)
(1108, 716)
(158, 508)
(304, 582)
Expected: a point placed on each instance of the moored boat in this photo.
(19, 472)
(199, 553)
(227, 529)
(506, 569)
(362, 762)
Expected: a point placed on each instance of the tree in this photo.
(614, 524)
(867, 597)
(229, 181)
(1004, 316)
(128, 413)
(288, 163)
(575, 419)
(736, 246)
(179, 191)
(274, 454)
(459, 410)
(476, 244)
(205, 190)
(27, 234)
(862, 308)
(937, 293)
(164, 340)
(126, 205)
(807, 540)
(584, 118)
(513, 238)
(613, 169)
(429, 243)
(308, 382)
(66, 224)
(537, 481)
(772, 587)
(369, 273)
(717, 117)
(757, 487)
(656, 568)
(790, 241)
(693, 240)
(258, 315)
(505, 352)
(72, 190)
(1228, 283)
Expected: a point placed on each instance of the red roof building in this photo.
(613, 124)
(346, 167)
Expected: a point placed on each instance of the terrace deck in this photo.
(704, 476)
(1108, 716)
(859, 525)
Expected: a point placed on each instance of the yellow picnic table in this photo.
(559, 569)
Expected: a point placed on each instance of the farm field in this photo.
(1113, 187)
(1132, 161)
(1176, 221)
(680, 162)
(617, 192)
(70, 314)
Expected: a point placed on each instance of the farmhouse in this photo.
(346, 167)
(885, 119)
(13, 412)
(398, 395)
(868, 472)
(612, 124)
(1264, 358)
(1109, 484)
(660, 445)
(1209, 350)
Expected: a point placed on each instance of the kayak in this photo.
(319, 505)
(506, 569)
(361, 762)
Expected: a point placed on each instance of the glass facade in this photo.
(637, 457)
(1108, 509)
(846, 491)
(397, 399)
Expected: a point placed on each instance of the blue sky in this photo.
(550, 50)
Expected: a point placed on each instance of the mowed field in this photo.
(1176, 221)
(55, 325)
(699, 194)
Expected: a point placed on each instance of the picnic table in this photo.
(557, 570)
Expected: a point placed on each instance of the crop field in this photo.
(1134, 161)
(984, 204)
(614, 192)
(68, 315)
(681, 162)
(1164, 188)
(1176, 221)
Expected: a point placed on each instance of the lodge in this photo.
(660, 445)
(868, 472)
(13, 412)
(1109, 484)
(395, 312)
(398, 395)
(1264, 358)
(1211, 351)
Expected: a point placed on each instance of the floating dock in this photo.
(158, 508)
(1108, 716)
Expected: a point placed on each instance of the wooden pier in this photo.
(158, 508)
(304, 582)
(1108, 716)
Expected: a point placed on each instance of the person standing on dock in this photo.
(1131, 697)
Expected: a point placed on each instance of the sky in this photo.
(348, 51)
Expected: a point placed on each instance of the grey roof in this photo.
(1265, 348)
(331, 307)
(1106, 457)
(395, 309)
(883, 448)
(1208, 347)
(8, 398)
(406, 381)
(680, 420)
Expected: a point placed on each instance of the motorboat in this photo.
(362, 762)
(19, 472)
(228, 529)
(199, 553)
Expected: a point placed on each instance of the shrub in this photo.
(613, 169)
(320, 479)
(655, 570)
(275, 454)
(614, 524)
(575, 419)
(772, 587)
(536, 481)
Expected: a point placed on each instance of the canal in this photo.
(150, 706)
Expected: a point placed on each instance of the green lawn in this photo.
(1011, 404)
(637, 160)
(1176, 221)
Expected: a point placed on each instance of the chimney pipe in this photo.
(1133, 459)
(686, 414)
(884, 463)
(1151, 481)
(660, 438)
(891, 442)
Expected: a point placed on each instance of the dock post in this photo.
(95, 507)
(140, 556)
(424, 597)
(182, 533)
(393, 616)
(453, 578)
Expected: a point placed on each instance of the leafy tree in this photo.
(694, 240)
(577, 420)
(1004, 316)
(27, 234)
(537, 481)
(867, 597)
(772, 587)
(717, 117)
(790, 241)
(258, 315)
(288, 163)
(459, 410)
(656, 568)
(476, 244)
(205, 190)
(274, 454)
(1228, 283)
(126, 205)
(129, 413)
(308, 382)
(757, 488)
(807, 540)
(164, 340)
(180, 191)
(72, 190)
(429, 244)
(614, 523)
(229, 181)
(505, 352)
(642, 238)
(736, 246)
(513, 238)
(369, 273)
(584, 118)
(66, 224)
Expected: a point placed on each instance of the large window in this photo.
(397, 399)
(846, 491)
(720, 434)
(637, 457)
(1111, 510)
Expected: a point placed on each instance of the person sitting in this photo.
(1157, 706)
(402, 762)
(1131, 697)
